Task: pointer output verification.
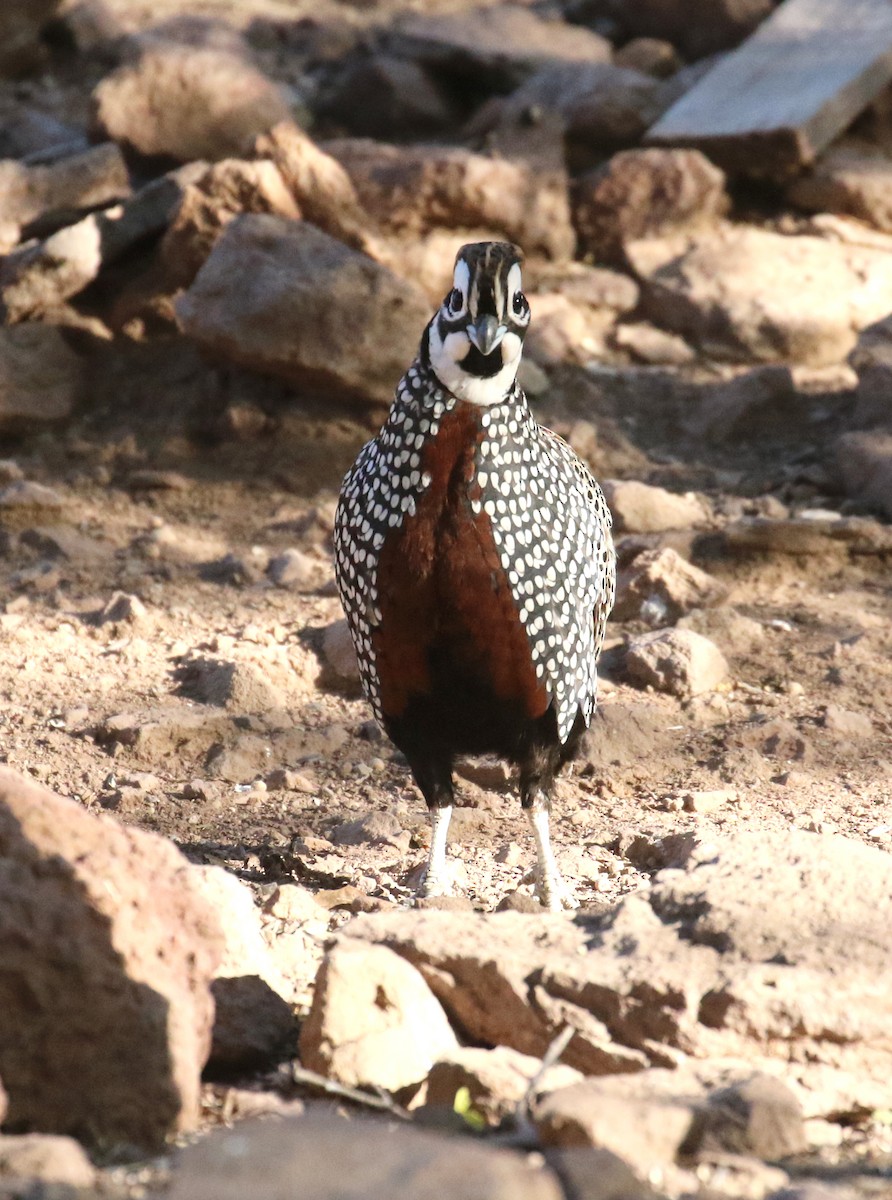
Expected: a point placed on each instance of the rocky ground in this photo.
(205, 311)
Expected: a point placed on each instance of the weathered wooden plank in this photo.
(770, 107)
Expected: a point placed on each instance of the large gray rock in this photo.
(283, 297)
(872, 361)
(864, 463)
(107, 954)
(187, 102)
(764, 296)
(412, 190)
(646, 193)
(737, 952)
(323, 1155)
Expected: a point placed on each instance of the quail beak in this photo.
(486, 334)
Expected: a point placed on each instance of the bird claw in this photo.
(435, 885)
(554, 893)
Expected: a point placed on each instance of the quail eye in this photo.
(519, 304)
(454, 301)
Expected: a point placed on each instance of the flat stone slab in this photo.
(769, 108)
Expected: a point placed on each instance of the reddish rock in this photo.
(643, 193)
(108, 952)
(186, 102)
(661, 586)
(412, 190)
(227, 189)
(319, 184)
(676, 660)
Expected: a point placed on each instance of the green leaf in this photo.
(469, 1114)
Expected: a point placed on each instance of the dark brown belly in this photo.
(450, 643)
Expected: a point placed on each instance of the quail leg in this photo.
(436, 881)
(551, 887)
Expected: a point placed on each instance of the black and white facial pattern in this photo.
(476, 339)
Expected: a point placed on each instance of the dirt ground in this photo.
(88, 706)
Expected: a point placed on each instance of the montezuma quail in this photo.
(475, 563)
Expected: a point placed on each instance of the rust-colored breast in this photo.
(442, 590)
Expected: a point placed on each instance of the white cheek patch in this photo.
(446, 355)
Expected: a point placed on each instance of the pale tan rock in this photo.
(227, 189)
(644, 1129)
(661, 586)
(678, 661)
(764, 296)
(47, 1157)
(847, 723)
(739, 948)
(648, 344)
(374, 1021)
(413, 189)
(40, 376)
(364, 1159)
(646, 193)
(641, 508)
(105, 923)
(187, 102)
(236, 685)
(497, 1080)
(276, 295)
(253, 1016)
